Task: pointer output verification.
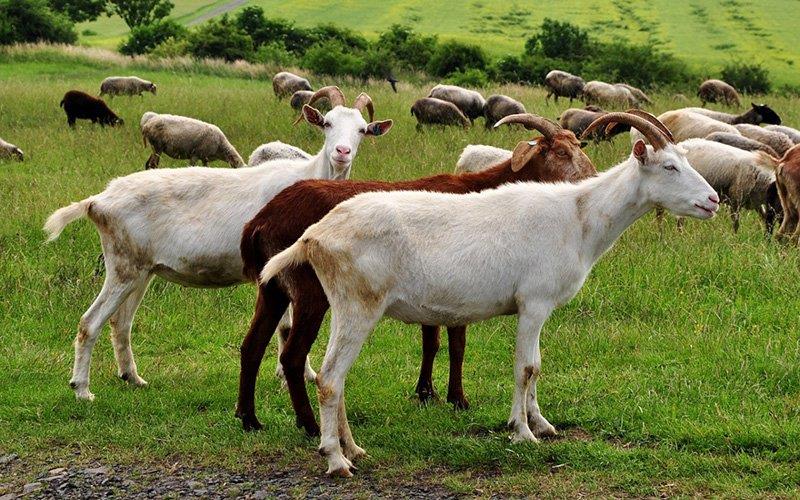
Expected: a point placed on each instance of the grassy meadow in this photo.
(706, 33)
(673, 372)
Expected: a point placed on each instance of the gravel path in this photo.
(216, 11)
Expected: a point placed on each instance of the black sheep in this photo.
(81, 105)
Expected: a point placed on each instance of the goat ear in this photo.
(313, 116)
(379, 128)
(640, 151)
(522, 155)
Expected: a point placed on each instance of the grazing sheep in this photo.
(791, 133)
(126, 85)
(778, 141)
(523, 248)
(470, 102)
(285, 84)
(185, 138)
(499, 106)
(563, 84)
(741, 142)
(8, 150)
(479, 157)
(640, 96)
(717, 91)
(602, 93)
(788, 179)
(756, 115)
(687, 125)
(302, 97)
(555, 156)
(276, 150)
(432, 111)
(80, 105)
(577, 120)
(743, 179)
(185, 225)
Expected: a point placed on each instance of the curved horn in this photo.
(532, 122)
(331, 92)
(650, 131)
(364, 101)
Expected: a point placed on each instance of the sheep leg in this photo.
(430, 346)
(111, 296)
(735, 218)
(152, 161)
(527, 366)
(456, 343)
(270, 306)
(121, 322)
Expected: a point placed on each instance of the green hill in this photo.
(707, 34)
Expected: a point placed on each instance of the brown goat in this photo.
(787, 179)
(555, 157)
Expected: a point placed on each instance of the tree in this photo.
(33, 21)
(143, 39)
(79, 10)
(220, 39)
(138, 12)
(559, 40)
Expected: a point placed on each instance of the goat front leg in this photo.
(430, 346)
(456, 344)
(527, 365)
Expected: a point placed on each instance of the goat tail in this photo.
(63, 216)
(295, 254)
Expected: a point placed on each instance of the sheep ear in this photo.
(379, 128)
(640, 151)
(313, 116)
(522, 155)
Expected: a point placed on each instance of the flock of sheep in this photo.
(526, 225)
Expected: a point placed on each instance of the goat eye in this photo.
(326, 125)
(362, 131)
(561, 152)
(670, 167)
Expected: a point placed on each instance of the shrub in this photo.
(560, 40)
(171, 47)
(332, 59)
(640, 65)
(143, 39)
(275, 53)
(747, 78)
(330, 33)
(376, 63)
(33, 21)
(451, 57)
(407, 48)
(220, 39)
(472, 77)
(79, 11)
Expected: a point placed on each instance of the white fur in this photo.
(688, 125)
(445, 259)
(276, 150)
(126, 85)
(8, 150)
(184, 225)
(606, 94)
(791, 133)
(479, 157)
(185, 138)
(778, 141)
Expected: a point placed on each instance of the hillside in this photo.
(707, 34)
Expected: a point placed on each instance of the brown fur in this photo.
(80, 105)
(718, 91)
(271, 231)
(499, 106)
(788, 183)
(433, 111)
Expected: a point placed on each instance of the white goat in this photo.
(386, 253)
(276, 150)
(185, 225)
(479, 157)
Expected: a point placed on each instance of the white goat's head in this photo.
(667, 178)
(344, 127)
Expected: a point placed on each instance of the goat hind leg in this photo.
(121, 322)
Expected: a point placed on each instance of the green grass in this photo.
(674, 370)
(707, 34)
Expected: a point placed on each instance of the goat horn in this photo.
(655, 121)
(365, 101)
(332, 93)
(532, 122)
(650, 131)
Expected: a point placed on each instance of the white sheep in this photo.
(688, 125)
(778, 141)
(126, 85)
(8, 150)
(606, 94)
(185, 138)
(523, 248)
(479, 157)
(185, 225)
(276, 150)
(791, 133)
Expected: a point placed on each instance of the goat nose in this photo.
(714, 198)
(343, 150)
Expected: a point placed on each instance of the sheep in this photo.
(185, 138)
(276, 150)
(499, 106)
(563, 84)
(126, 85)
(479, 157)
(788, 182)
(185, 226)
(789, 132)
(741, 142)
(302, 97)
(602, 93)
(640, 96)
(743, 179)
(576, 120)
(470, 102)
(555, 156)
(716, 91)
(285, 84)
(432, 111)
(523, 248)
(778, 141)
(756, 115)
(8, 150)
(688, 125)
(81, 105)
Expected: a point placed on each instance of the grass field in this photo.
(707, 34)
(674, 371)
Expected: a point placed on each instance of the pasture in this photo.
(674, 371)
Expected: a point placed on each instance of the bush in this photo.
(275, 53)
(640, 65)
(559, 40)
(220, 39)
(329, 33)
(171, 47)
(470, 78)
(33, 21)
(376, 63)
(451, 57)
(406, 47)
(143, 39)
(332, 59)
(747, 78)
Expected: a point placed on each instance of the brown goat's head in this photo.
(555, 156)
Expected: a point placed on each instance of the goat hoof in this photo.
(250, 423)
(343, 472)
(427, 395)
(354, 452)
(311, 429)
(459, 403)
